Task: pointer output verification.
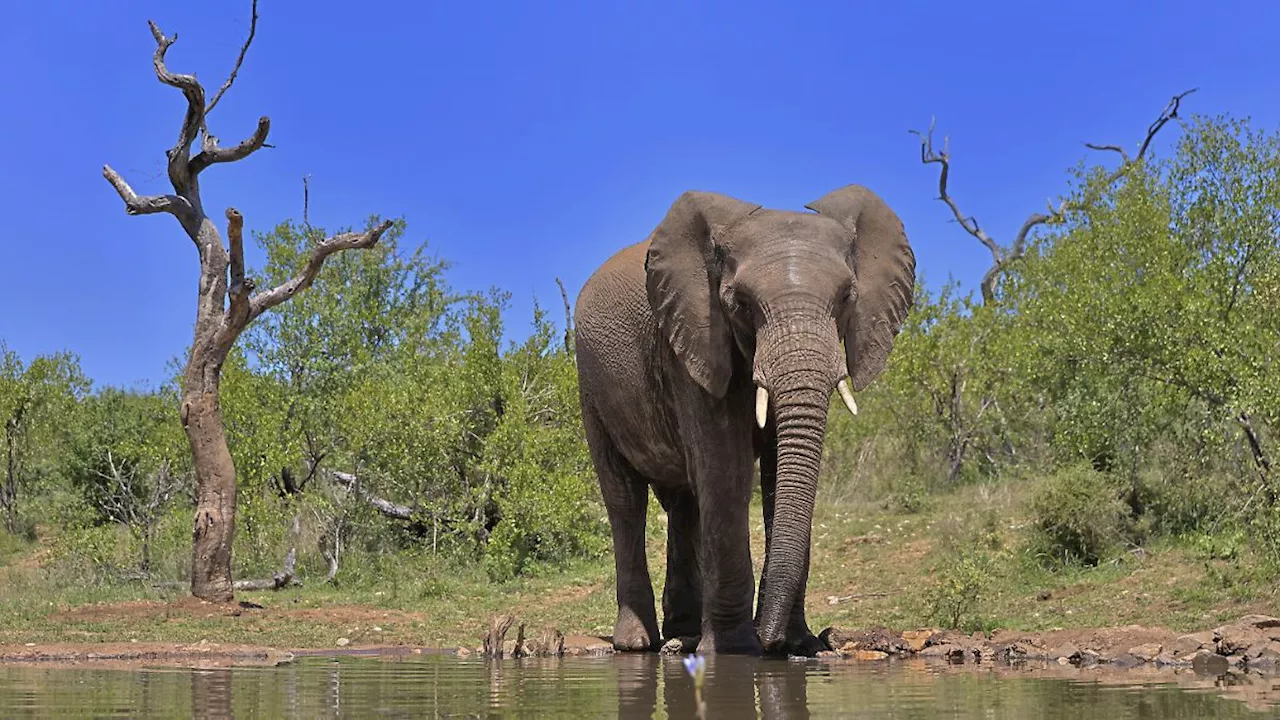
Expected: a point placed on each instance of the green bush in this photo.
(1079, 516)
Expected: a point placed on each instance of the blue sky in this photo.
(528, 140)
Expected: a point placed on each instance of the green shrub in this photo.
(1079, 516)
(961, 580)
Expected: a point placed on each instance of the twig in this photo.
(253, 28)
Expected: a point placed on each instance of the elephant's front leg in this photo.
(722, 474)
(800, 639)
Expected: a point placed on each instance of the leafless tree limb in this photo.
(568, 318)
(253, 29)
(135, 204)
(240, 289)
(386, 507)
(192, 122)
(306, 201)
(1002, 256)
(268, 299)
(210, 153)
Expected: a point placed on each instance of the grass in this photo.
(871, 566)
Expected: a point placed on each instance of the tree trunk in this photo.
(214, 529)
(10, 491)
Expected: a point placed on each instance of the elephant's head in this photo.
(784, 289)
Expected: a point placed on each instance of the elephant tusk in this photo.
(847, 395)
(762, 405)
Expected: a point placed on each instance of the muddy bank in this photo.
(1250, 644)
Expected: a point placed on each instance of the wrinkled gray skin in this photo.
(674, 335)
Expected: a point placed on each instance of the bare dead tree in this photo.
(1002, 256)
(226, 305)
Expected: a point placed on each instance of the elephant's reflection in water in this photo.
(735, 686)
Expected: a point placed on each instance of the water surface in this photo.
(429, 686)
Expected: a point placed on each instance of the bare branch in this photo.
(929, 156)
(1169, 113)
(306, 201)
(253, 28)
(279, 580)
(239, 288)
(135, 204)
(568, 318)
(1113, 148)
(386, 507)
(1002, 256)
(210, 153)
(192, 123)
(268, 299)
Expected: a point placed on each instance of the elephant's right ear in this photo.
(682, 274)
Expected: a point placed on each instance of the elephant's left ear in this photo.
(885, 270)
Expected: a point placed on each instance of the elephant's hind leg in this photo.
(626, 497)
(682, 592)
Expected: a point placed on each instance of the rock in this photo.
(1146, 652)
(343, 642)
(1089, 658)
(1066, 650)
(1265, 665)
(943, 651)
(1269, 650)
(917, 639)
(869, 655)
(1234, 639)
(1126, 661)
(1260, 622)
(579, 645)
(1237, 661)
(463, 652)
(1208, 663)
(1188, 644)
(1166, 659)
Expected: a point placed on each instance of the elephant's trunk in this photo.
(801, 369)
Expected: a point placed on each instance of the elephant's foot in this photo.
(808, 646)
(798, 641)
(740, 641)
(631, 634)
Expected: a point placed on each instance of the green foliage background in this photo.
(1127, 369)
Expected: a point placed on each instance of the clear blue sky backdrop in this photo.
(528, 140)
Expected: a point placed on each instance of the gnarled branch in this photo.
(210, 153)
(192, 123)
(1002, 256)
(135, 204)
(268, 299)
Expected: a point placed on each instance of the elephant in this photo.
(714, 343)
